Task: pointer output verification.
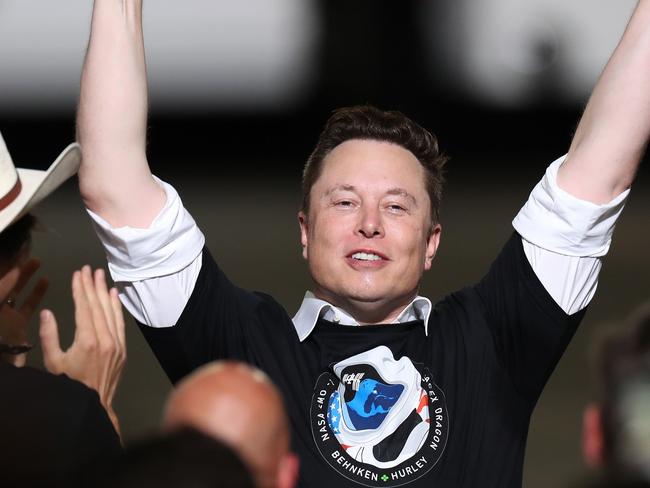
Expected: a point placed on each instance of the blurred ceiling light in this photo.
(513, 53)
(202, 55)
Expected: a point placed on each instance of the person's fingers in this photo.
(120, 330)
(19, 360)
(119, 319)
(8, 283)
(101, 291)
(34, 299)
(120, 353)
(27, 270)
(84, 330)
(49, 332)
(104, 337)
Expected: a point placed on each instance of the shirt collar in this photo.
(312, 308)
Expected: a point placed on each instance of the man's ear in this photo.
(433, 241)
(304, 232)
(592, 436)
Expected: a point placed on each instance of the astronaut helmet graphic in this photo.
(379, 413)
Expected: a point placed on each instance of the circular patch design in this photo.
(377, 421)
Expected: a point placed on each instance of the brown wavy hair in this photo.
(366, 122)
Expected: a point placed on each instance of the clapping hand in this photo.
(98, 351)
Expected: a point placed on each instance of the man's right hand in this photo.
(98, 352)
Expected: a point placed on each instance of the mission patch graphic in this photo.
(379, 421)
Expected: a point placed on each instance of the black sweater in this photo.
(388, 405)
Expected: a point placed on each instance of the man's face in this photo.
(368, 235)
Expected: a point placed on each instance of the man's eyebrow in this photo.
(334, 188)
(393, 191)
(403, 193)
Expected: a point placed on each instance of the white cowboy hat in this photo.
(21, 189)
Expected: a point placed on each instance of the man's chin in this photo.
(351, 296)
(369, 304)
(366, 298)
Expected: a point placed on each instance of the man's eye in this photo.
(344, 203)
(396, 208)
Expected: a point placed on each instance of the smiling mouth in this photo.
(365, 256)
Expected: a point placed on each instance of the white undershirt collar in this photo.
(312, 308)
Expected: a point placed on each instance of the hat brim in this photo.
(36, 185)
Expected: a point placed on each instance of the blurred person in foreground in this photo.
(183, 458)
(52, 424)
(382, 388)
(616, 429)
(238, 404)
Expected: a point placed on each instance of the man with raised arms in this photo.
(443, 395)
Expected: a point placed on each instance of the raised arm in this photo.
(114, 178)
(612, 135)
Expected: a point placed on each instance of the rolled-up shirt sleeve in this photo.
(564, 239)
(155, 269)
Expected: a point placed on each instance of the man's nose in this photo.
(370, 224)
